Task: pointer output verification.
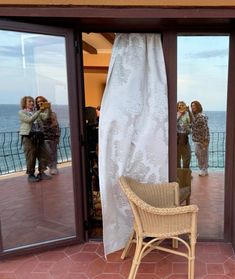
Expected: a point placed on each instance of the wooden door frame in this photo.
(169, 22)
(75, 135)
(229, 216)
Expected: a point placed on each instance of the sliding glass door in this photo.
(201, 127)
(38, 204)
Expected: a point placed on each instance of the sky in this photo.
(202, 70)
(34, 64)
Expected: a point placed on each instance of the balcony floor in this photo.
(208, 194)
(86, 261)
(214, 260)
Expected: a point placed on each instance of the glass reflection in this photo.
(39, 206)
(202, 86)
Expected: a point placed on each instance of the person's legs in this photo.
(201, 153)
(186, 156)
(204, 155)
(179, 154)
(43, 159)
(52, 146)
(30, 152)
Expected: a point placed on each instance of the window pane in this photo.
(35, 207)
(202, 77)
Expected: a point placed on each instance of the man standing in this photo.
(200, 136)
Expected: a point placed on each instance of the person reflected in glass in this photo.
(183, 131)
(200, 136)
(51, 131)
(33, 138)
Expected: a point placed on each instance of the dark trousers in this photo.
(34, 151)
(51, 146)
(184, 154)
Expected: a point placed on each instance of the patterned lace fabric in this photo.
(133, 128)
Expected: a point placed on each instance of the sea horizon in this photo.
(9, 115)
(10, 119)
(9, 138)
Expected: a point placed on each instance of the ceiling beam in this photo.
(89, 48)
(109, 37)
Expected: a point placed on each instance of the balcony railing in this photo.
(12, 157)
(216, 151)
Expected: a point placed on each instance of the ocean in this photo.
(12, 158)
(11, 150)
(9, 118)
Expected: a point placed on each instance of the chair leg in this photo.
(128, 246)
(191, 261)
(136, 260)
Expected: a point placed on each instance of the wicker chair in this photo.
(158, 216)
(184, 180)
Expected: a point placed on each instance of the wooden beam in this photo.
(109, 37)
(89, 48)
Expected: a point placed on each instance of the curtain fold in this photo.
(133, 128)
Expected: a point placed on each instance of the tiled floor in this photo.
(208, 194)
(36, 212)
(43, 211)
(213, 261)
(31, 213)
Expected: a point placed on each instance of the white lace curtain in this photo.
(133, 128)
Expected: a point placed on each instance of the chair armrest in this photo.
(166, 210)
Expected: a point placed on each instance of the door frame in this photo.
(75, 131)
(169, 22)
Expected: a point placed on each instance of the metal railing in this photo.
(12, 157)
(216, 151)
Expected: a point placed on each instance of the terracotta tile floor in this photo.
(22, 203)
(213, 261)
(32, 213)
(208, 194)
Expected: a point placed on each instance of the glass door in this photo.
(201, 127)
(38, 204)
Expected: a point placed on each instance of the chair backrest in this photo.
(155, 219)
(158, 195)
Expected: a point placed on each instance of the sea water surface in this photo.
(9, 117)
(9, 122)
(12, 158)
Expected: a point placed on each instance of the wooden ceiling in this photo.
(95, 43)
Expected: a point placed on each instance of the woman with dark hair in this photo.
(200, 136)
(33, 139)
(51, 130)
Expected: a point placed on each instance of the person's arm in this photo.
(24, 117)
(204, 124)
(179, 115)
(190, 115)
(55, 124)
(44, 115)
